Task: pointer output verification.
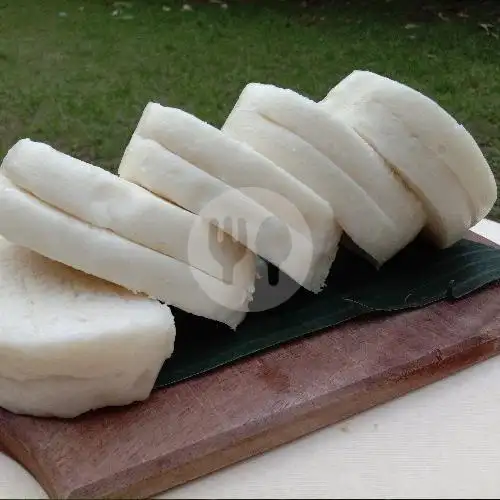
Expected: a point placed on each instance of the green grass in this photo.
(74, 75)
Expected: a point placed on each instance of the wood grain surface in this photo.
(201, 425)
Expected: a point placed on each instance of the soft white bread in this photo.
(70, 342)
(239, 166)
(164, 173)
(362, 220)
(31, 223)
(437, 158)
(69, 397)
(371, 205)
(104, 200)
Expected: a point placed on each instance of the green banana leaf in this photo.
(417, 276)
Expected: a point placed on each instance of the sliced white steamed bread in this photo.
(166, 174)
(32, 223)
(103, 199)
(240, 166)
(70, 343)
(370, 203)
(437, 157)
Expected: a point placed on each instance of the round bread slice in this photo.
(240, 166)
(70, 343)
(104, 200)
(70, 397)
(31, 223)
(371, 205)
(438, 159)
(434, 127)
(157, 169)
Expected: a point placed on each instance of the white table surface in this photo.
(440, 441)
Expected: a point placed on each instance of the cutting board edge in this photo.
(17, 451)
(268, 438)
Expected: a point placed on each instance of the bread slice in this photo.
(31, 223)
(164, 173)
(371, 205)
(70, 397)
(102, 199)
(70, 343)
(438, 159)
(438, 131)
(239, 166)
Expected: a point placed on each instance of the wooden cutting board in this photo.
(209, 422)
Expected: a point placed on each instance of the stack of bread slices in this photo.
(91, 261)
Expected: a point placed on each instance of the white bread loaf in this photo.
(102, 199)
(437, 158)
(166, 174)
(370, 204)
(31, 223)
(70, 342)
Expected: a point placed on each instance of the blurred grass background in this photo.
(77, 73)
